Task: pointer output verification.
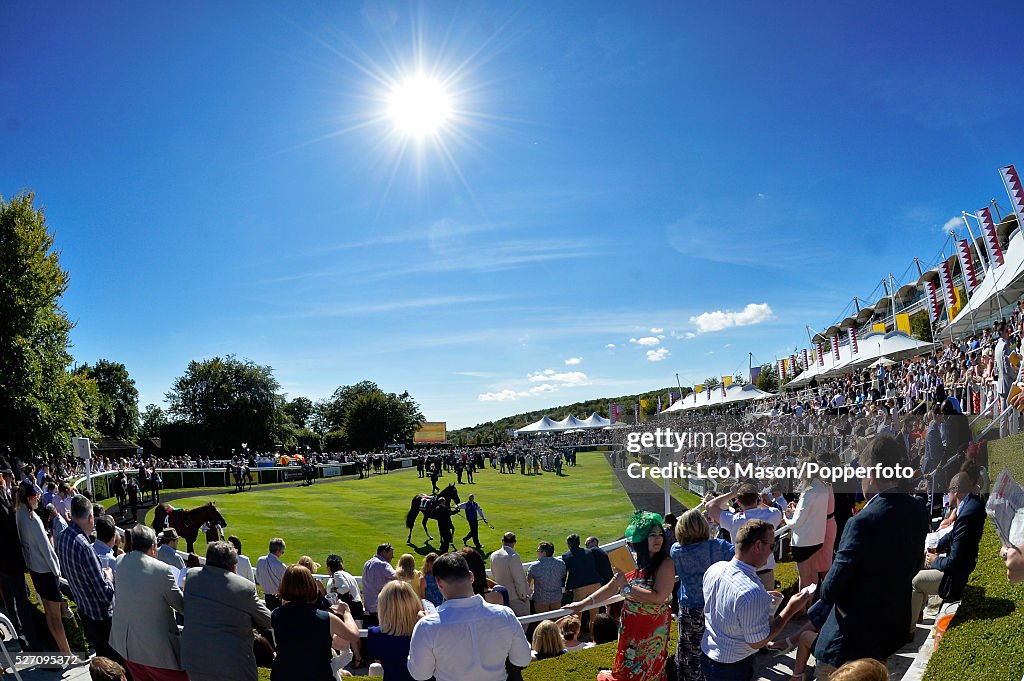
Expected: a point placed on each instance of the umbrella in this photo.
(881, 362)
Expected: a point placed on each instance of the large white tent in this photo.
(596, 421)
(544, 424)
(570, 423)
(547, 425)
(1000, 288)
(733, 394)
(895, 345)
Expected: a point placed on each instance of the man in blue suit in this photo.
(870, 581)
(946, 575)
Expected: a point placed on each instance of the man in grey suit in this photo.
(146, 595)
(223, 609)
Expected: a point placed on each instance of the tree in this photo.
(119, 399)
(231, 401)
(374, 419)
(768, 381)
(40, 409)
(921, 327)
(299, 410)
(152, 421)
(334, 408)
(711, 382)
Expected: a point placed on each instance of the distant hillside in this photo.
(496, 431)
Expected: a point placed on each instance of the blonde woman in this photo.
(399, 609)
(313, 566)
(407, 571)
(547, 641)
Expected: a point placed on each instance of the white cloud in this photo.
(719, 320)
(647, 340)
(657, 355)
(543, 388)
(502, 396)
(951, 224)
(565, 377)
(656, 330)
(572, 361)
(689, 335)
(610, 346)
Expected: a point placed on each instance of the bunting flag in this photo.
(933, 301)
(614, 411)
(963, 250)
(659, 403)
(835, 347)
(755, 373)
(724, 386)
(726, 381)
(821, 355)
(672, 397)
(958, 304)
(807, 363)
(946, 284)
(991, 238)
(636, 412)
(852, 331)
(698, 388)
(903, 323)
(1015, 191)
(878, 328)
(782, 370)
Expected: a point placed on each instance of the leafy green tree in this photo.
(712, 382)
(333, 409)
(119, 399)
(152, 421)
(299, 410)
(769, 378)
(40, 409)
(374, 419)
(92, 404)
(921, 326)
(231, 401)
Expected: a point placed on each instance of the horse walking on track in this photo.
(187, 522)
(437, 508)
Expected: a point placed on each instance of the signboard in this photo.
(431, 432)
(82, 449)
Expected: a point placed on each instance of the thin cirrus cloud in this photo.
(573, 361)
(719, 320)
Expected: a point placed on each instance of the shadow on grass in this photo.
(982, 607)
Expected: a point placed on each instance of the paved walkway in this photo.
(644, 493)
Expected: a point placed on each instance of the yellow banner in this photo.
(959, 305)
(644, 404)
(880, 328)
(903, 323)
(727, 381)
(698, 388)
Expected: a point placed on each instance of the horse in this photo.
(433, 508)
(187, 523)
(243, 477)
(119, 488)
(308, 473)
(150, 481)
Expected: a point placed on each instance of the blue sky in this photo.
(222, 179)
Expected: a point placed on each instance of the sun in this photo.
(419, 106)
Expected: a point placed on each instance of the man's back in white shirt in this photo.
(468, 638)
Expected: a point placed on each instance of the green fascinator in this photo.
(641, 524)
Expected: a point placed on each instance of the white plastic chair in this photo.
(7, 634)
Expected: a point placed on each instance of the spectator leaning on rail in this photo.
(223, 609)
(91, 584)
(467, 638)
(738, 609)
(946, 575)
(547, 576)
(144, 630)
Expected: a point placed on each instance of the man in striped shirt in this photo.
(737, 608)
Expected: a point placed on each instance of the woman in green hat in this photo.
(646, 613)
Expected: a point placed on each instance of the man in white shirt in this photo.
(269, 571)
(244, 566)
(467, 638)
(750, 509)
(507, 568)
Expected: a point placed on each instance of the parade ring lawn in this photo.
(352, 517)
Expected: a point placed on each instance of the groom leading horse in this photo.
(435, 507)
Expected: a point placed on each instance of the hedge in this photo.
(986, 636)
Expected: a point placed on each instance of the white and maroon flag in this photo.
(946, 282)
(821, 355)
(835, 347)
(933, 301)
(1015, 191)
(853, 339)
(807, 363)
(963, 250)
(988, 233)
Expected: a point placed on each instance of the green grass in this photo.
(986, 636)
(352, 517)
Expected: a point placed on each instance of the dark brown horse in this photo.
(187, 522)
(437, 508)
